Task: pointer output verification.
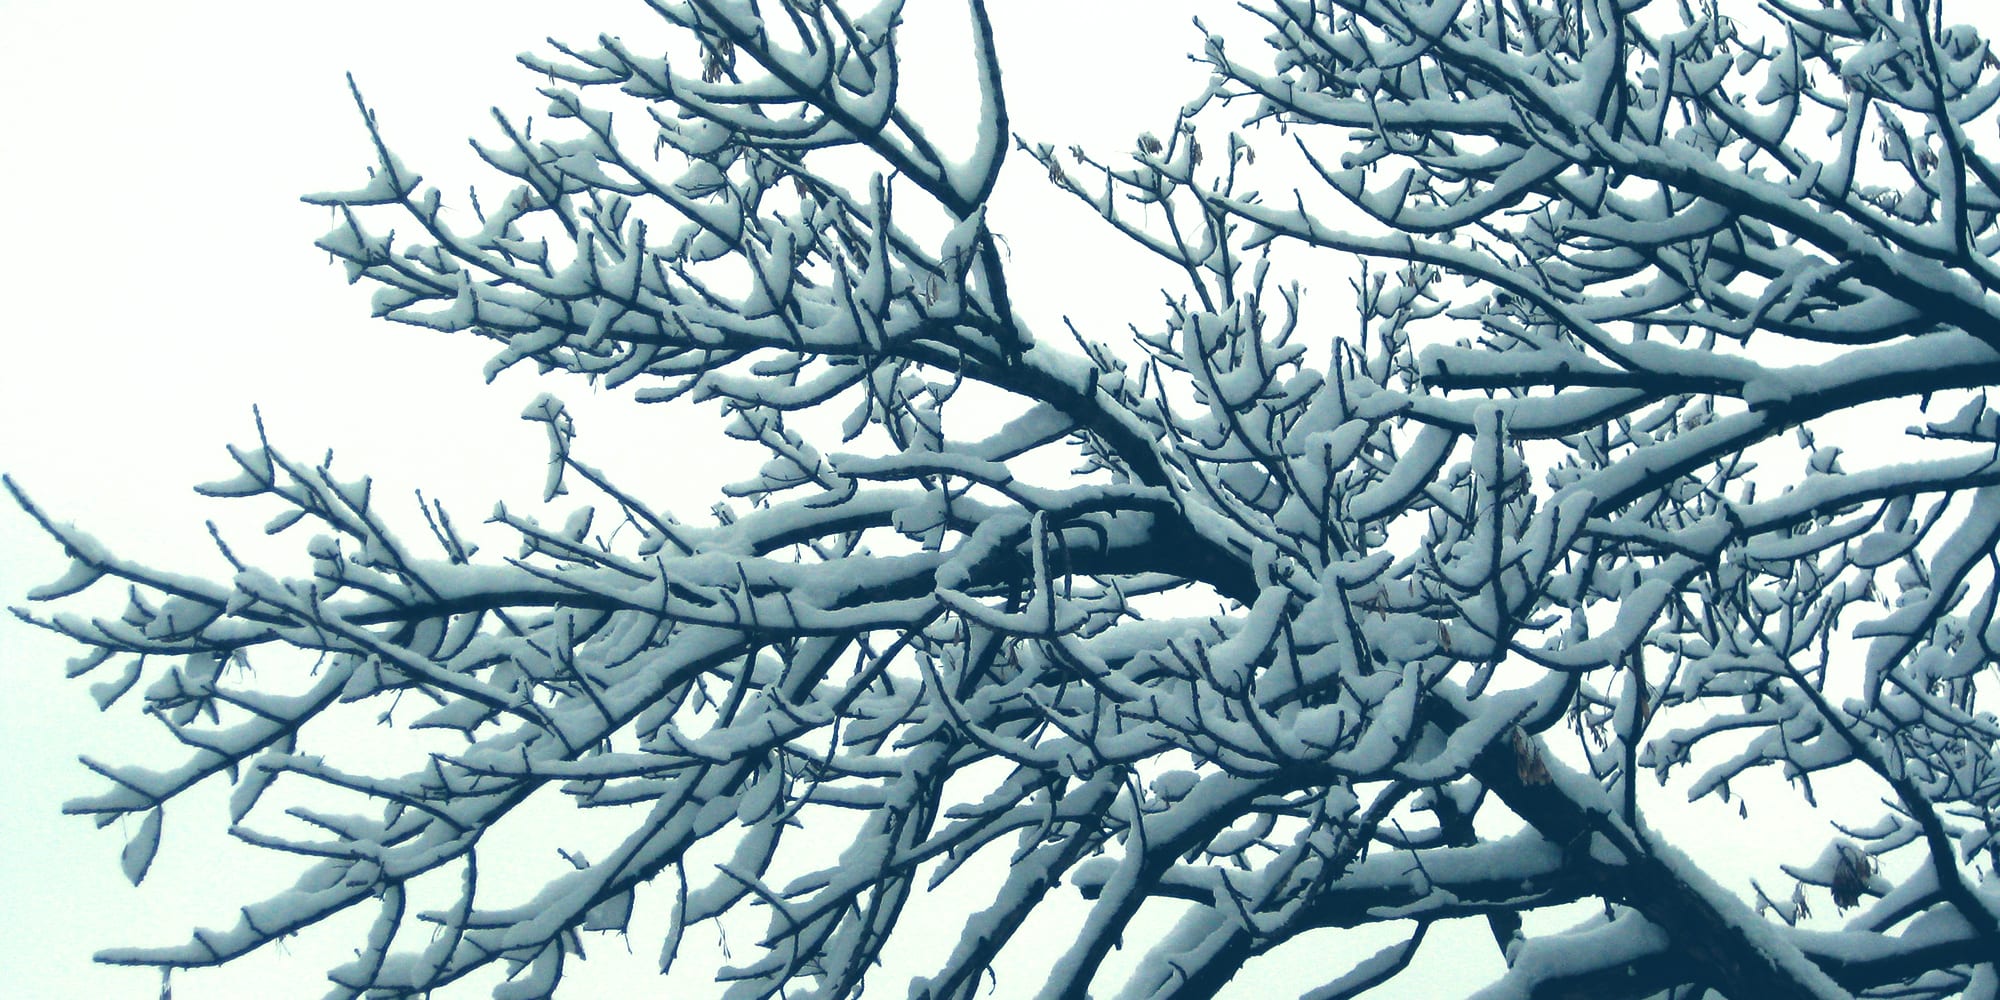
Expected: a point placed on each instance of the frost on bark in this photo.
(1303, 621)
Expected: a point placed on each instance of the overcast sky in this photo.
(159, 279)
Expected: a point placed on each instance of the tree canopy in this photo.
(1472, 475)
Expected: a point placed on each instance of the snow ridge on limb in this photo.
(1310, 620)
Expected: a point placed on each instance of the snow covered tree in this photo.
(1473, 478)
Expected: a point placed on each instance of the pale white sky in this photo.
(160, 279)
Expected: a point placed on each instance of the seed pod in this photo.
(717, 61)
(1528, 763)
(1852, 868)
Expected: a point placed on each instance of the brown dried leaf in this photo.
(1528, 763)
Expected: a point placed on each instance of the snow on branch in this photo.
(1341, 576)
